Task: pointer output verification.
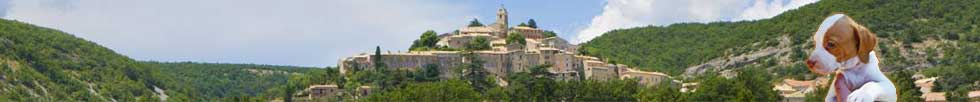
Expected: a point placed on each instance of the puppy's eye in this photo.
(831, 45)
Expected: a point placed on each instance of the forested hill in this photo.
(191, 81)
(42, 64)
(914, 34)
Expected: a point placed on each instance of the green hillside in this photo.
(901, 24)
(42, 64)
(190, 81)
(937, 38)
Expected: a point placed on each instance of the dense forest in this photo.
(674, 47)
(938, 37)
(190, 81)
(42, 64)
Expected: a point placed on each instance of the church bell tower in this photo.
(502, 16)
(502, 20)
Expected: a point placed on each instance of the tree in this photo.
(288, 96)
(526, 87)
(293, 84)
(906, 85)
(391, 79)
(427, 41)
(755, 86)
(522, 25)
(443, 91)
(714, 88)
(531, 23)
(429, 72)
(664, 92)
(475, 23)
(378, 65)
(474, 73)
(478, 43)
(750, 85)
(429, 38)
(541, 71)
(548, 34)
(614, 90)
(516, 37)
(955, 79)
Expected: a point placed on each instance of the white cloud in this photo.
(284, 32)
(762, 9)
(619, 14)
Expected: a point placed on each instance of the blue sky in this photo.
(562, 16)
(319, 32)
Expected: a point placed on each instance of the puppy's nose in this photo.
(810, 63)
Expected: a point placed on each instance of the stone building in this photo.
(316, 91)
(795, 90)
(644, 77)
(503, 59)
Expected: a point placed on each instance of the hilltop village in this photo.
(504, 56)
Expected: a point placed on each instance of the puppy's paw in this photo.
(867, 93)
(859, 96)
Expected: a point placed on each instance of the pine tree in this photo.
(474, 72)
(905, 85)
(531, 23)
(475, 23)
(378, 65)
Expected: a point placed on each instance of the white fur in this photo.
(874, 86)
(821, 54)
(830, 21)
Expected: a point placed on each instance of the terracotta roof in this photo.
(797, 83)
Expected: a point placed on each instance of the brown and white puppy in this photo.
(845, 49)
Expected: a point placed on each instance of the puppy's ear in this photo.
(867, 41)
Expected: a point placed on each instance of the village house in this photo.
(503, 59)
(316, 91)
(795, 90)
(313, 92)
(925, 86)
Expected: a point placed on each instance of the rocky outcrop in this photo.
(733, 61)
